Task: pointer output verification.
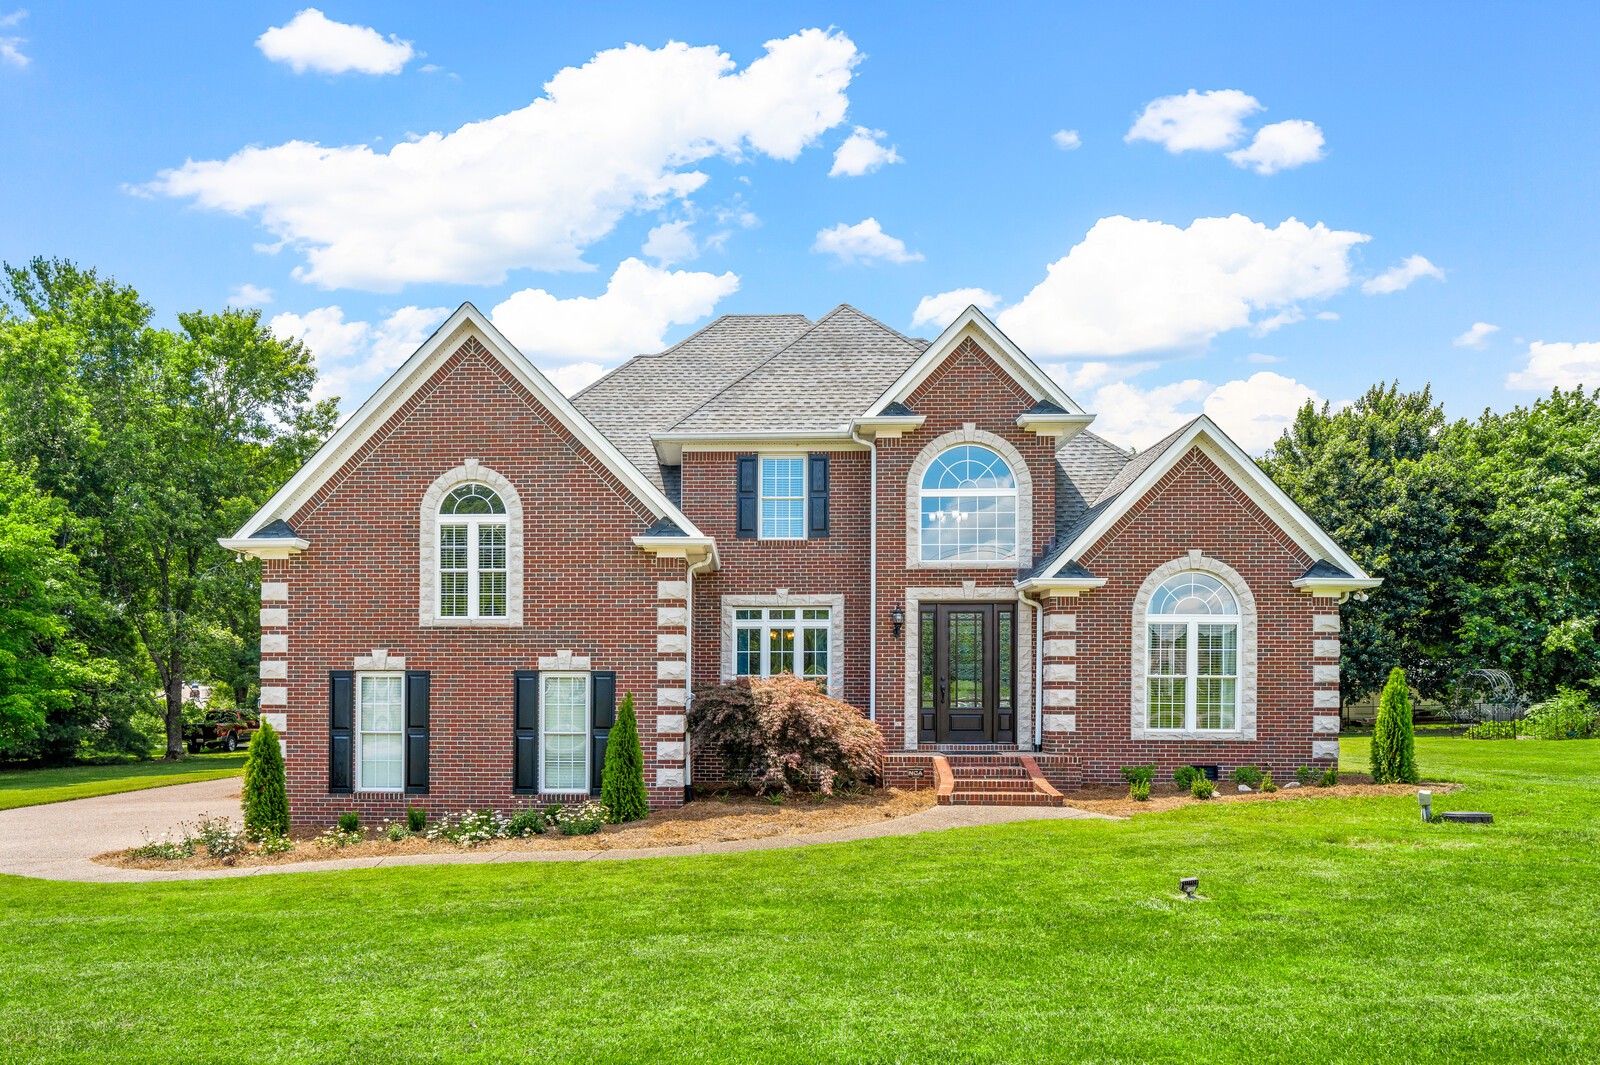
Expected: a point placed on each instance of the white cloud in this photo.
(639, 305)
(941, 310)
(1281, 146)
(1067, 139)
(1262, 358)
(863, 242)
(354, 358)
(248, 295)
(1287, 316)
(312, 41)
(862, 153)
(1203, 121)
(1477, 336)
(536, 187)
(1254, 411)
(1327, 316)
(1560, 365)
(1133, 286)
(11, 53)
(575, 376)
(1400, 277)
(670, 242)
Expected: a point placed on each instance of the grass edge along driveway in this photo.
(35, 787)
(1332, 930)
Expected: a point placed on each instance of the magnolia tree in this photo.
(783, 733)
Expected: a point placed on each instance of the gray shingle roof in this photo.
(818, 381)
(1094, 462)
(1085, 464)
(1323, 568)
(648, 393)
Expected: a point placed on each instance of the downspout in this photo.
(688, 666)
(1038, 667)
(872, 575)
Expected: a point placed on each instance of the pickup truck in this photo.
(226, 730)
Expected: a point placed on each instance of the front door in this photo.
(968, 673)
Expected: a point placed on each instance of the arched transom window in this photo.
(1192, 666)
(472, 553)
(969, 507)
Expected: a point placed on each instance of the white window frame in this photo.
(800, 623)
(428, 554)
(761, 495)
(1191, 676)
(1245, 622)
(545, 676)
(834, 604)
(1014, 493)
(357, 732)
(472, 523)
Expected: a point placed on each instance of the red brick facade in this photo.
(589, 590)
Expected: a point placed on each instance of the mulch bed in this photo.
(1115, 801)
(713, 819)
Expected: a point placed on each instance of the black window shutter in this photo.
(747, 497)
(525, 731)
(418, 685)
(602, 715)
(817, 496)
(341, 717)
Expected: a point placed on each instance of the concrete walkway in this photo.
(57, 841)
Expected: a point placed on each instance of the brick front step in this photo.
(1005, 778)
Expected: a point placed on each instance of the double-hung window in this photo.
(773, 640)
(1192, 667)
(564, 732)
(472, 553)
(380, 727)
(783, 497)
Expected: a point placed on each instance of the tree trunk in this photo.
(175, 747)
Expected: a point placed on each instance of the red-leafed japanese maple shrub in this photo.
(783, 733)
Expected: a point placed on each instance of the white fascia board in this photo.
(264, 546)
(686, 547)
(671, 446)
(1043, 586)
(412, 374)
(1065, 425)
(1331, 586)
(901, 423)
(975, 323)
(1214, 443)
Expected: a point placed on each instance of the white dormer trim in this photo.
(411, 376)
(974, 324)
(1242, 470)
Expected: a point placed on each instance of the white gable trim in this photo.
(1215, 445)
(412, 375)
(975, 324)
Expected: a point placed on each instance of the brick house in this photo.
(460, 585)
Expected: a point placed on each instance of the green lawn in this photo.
(1335, 931)
(31, 787)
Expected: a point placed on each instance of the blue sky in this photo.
(1438, 163)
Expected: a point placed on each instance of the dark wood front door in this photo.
(968, 673)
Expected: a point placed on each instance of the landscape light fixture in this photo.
(897, 618)
(1189, 885)
(1425, 800)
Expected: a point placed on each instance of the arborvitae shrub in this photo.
(622, 780)
(1394, 753)
(265, 797)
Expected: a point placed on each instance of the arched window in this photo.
(1192, 654)
(472, 553)
(969, 507)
